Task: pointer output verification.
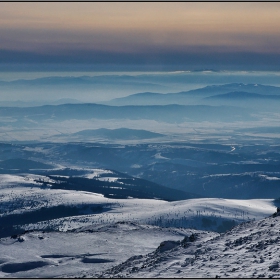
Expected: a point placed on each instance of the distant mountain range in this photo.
(243, 95)
(229, 102)
(192, 97)
(83, 82)
(71, 80)
(233, 90)
(20, 103)
(166, 113)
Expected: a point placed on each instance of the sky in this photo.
(140, 36)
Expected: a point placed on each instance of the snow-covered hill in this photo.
(88, 250)
(27, 202)
(127, 249)
(49, 232)
(250, 250)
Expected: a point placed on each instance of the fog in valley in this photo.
(153, 156)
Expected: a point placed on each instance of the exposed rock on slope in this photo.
(248, 250)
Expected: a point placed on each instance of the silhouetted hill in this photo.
(120, 133)
(243, 95)
(236, 87)
(20, 103)
(81, 82)
(188, 97)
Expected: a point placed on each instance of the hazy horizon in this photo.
(93, 86)
(135, 36)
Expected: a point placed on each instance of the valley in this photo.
(145, 185)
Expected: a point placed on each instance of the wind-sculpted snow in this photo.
(250, 250)
(91, 249)
(131, 250)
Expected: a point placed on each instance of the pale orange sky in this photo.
(158, 31)
(99, 25)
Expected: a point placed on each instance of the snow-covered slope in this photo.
(71, 233)
(127, 249)
(88, 250)
(249, 250)
(31, 205)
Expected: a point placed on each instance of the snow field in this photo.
(91, 249)
(204, 213)
(250, 250)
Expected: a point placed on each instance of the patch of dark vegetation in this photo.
(8, 222)
(23, 164)
(9, 230)
(123, 188)
(226, 225)
(207, 222)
